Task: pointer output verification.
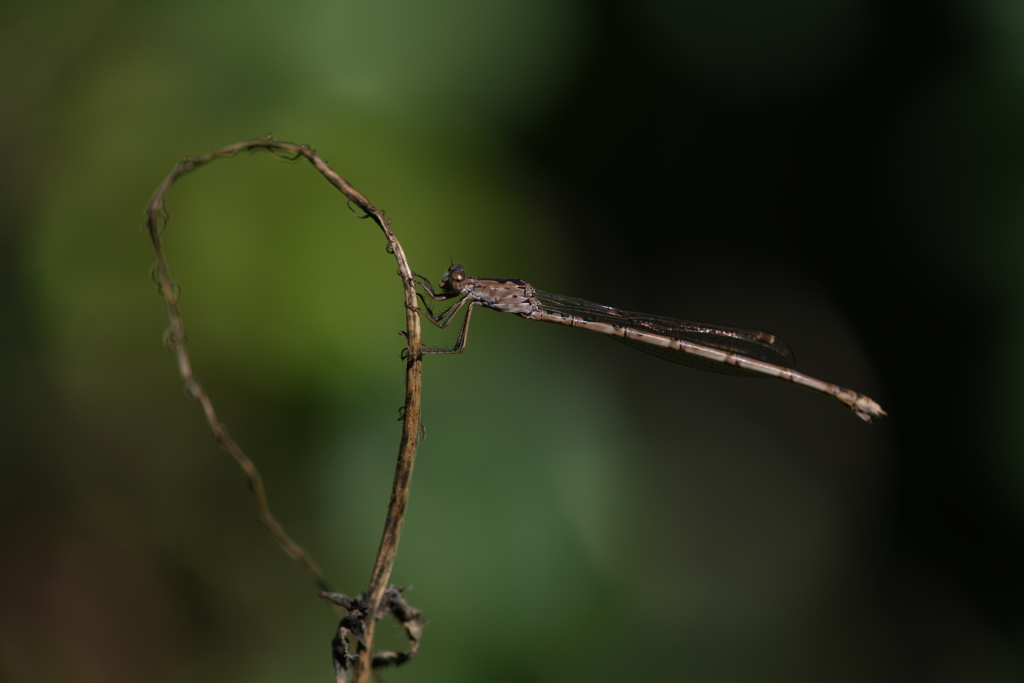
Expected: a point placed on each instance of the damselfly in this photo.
(708, 347)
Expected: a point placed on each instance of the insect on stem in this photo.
(707, 347)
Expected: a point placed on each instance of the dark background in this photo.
(844, 174)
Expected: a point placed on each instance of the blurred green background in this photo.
(845, 174)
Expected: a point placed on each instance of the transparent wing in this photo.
(760, 346)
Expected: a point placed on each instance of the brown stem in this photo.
(156, 219)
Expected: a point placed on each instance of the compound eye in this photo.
(454, 280)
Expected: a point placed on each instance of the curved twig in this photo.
(156, 219)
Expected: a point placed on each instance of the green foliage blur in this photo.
(578, 513)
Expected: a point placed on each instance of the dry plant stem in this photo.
(156, 218)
